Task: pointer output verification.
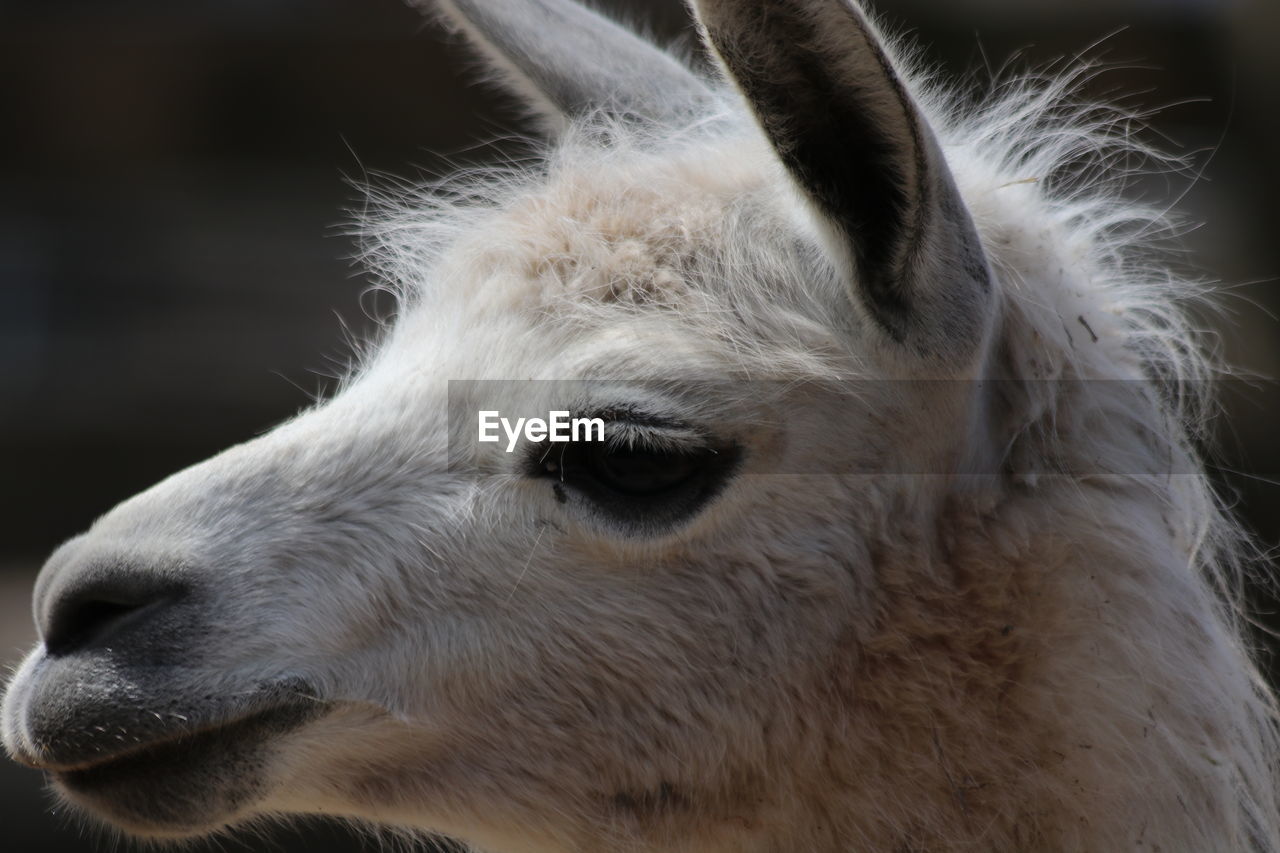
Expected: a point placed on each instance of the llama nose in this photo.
(86, 603)
(88, 617)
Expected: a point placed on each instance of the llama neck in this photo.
(1018, 690)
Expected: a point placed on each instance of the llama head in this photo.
(368, 613)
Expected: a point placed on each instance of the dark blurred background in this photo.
(174, 276)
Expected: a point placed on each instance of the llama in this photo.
(899, 541)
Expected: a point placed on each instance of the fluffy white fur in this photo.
(871, 661)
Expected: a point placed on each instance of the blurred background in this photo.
(174, 276)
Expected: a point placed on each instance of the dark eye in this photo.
(639, 470)
(641, 487)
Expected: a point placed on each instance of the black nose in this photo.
(86, 604)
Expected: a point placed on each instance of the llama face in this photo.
(365, 613)
(365, 595)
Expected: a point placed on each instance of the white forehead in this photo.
(698, 254)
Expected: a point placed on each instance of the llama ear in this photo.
(825, 93)
(565, 59)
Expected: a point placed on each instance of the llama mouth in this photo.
(72, 715)
(177, 786)
(151, 749)
(189, 742)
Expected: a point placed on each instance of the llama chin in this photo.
(896, 537)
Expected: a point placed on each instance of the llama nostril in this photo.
(89, 615)
(81, 622)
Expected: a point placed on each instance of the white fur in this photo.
(875, 661)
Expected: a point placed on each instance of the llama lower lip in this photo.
(81, 711)
(189, 783)
(186, 746)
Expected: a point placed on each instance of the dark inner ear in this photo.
(841, 153)
(843, 123)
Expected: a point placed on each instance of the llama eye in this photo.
(639, 487)
(642, 471)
